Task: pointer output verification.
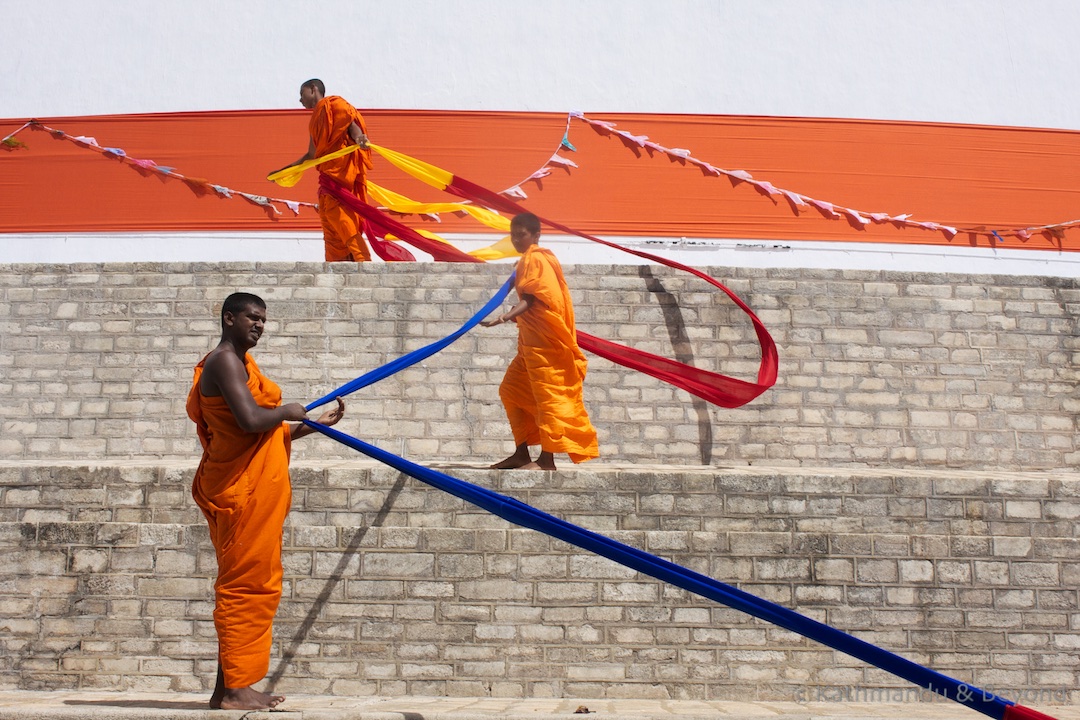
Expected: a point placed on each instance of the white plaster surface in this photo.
(967, 61)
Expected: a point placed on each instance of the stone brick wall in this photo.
(876, 368)
(393, 588)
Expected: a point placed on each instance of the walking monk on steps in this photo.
(334, 125)
(242, 487)
(543, 385)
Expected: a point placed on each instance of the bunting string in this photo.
(147, 168)
(798, 202)
(384, 233)
(859, 219)
(289, 177)
(10, 143)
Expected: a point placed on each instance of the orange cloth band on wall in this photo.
(960, 175)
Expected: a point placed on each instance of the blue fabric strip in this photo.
(416, 356)
(527, 516)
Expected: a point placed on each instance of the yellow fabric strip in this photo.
(429, 235)
(439, 178)
(401, 204)
(429, 174)
(436, 177)
(500, 250)
(292, 174)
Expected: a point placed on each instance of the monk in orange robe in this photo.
(335, 124)
(242, 486)
(542, 388)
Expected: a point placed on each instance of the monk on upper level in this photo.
(334, 125)
(542, 389)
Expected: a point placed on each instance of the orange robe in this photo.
(342, 228)
(242, 486)
(542, 387)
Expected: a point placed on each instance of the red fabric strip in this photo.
(713, 387)
(1019, 712)
(378, 225)
(719, 389)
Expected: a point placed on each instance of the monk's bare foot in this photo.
(246, 699)
(546, 461)
(520, 458)
(511, 463)
(536, 466)
(219, 690)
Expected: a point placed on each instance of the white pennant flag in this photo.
(560, 160)
(794, 197)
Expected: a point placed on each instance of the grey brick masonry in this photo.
(911, 478)
(876, 368)
(393, 588)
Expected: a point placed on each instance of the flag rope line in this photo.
(859, 218)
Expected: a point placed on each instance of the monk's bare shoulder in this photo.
(220, 365)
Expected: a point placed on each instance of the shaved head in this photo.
(315, 84)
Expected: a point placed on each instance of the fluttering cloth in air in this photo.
(519, 513)
(716, 388)
(329, 128)
(290, 176)
(542, 389)
(409, 359)
(381, 228)
(242, 486)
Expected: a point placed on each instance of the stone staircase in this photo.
(394, 588)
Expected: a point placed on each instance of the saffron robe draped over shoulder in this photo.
(329, 129)
(242, 486)
(542, 389)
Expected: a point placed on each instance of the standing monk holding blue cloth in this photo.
(542, 389)
(242, 487)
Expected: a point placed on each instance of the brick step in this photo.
(876, 368)
(395, 588)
